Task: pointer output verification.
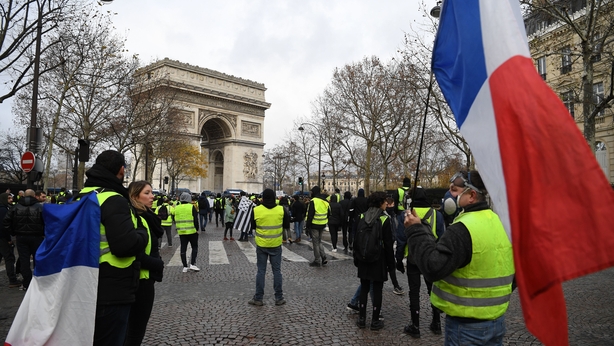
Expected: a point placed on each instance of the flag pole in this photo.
(426, 110)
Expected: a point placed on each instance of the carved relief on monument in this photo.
(188, 118)
(222, 104)
(250, 165)
(250, 129)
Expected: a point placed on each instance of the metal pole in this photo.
(319, 157)
(66, 171)
(33, 144)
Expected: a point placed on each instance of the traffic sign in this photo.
(27, 161)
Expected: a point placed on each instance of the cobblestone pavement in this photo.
(210, 307)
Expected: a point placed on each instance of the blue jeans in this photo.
(356, 298)
(298, 228)
(203, 219)
(489, 333)
(273, 254)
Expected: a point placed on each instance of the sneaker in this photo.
(353, 307)
(315, 264)
(225, 238)
(412, 331)
(297, 240)
(14, 284)
(232, 239)
(324, 261)
(435, 327)
(281, 301)
(185, 269)
(194, 268)
(255, 302)
(398, 291)
(170, 245)
(245, 239)
(361, 323)
(377, 325)
(22, 288)
(334, 250)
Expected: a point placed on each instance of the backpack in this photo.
(368, 242)
(162, 212)
(406, 199)
(217, 204)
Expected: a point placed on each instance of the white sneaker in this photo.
(194, 268)
(334, 250)
(185, 269)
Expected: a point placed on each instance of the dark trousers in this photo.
(140, 311)
(26, 247)
(334, 234)
(8, 254)
(111, 324)
(193, 240)
(344, 232)
(169, 235)
(228, 227)
(219, 216)
(365, 286)
(414, 281)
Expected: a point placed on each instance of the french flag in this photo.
(544, 181)
(59, 307)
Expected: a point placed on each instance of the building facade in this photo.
(556, 50)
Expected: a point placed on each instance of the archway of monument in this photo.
(214, 132)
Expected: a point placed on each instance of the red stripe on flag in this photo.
(560, 201)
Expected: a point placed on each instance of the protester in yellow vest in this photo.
(186, 220)
(471, 267)
(168, 222)
(318, 211)
(152, 266)
(269, 220)
(120, 242)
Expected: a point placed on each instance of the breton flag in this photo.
(545, 183)
(244, 215)
(59, 307)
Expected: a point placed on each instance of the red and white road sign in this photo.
(27, 161)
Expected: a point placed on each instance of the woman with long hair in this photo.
(152, 266)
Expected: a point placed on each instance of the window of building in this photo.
(596, 48)
(598, 95)
(541, 67)
(566, 61)
(568, 100)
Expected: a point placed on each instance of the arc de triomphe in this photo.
(226, 116)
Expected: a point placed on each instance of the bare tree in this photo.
(12, 147)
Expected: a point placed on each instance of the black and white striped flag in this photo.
(244, 215)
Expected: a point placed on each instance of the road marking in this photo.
(176, 259)
(291, 256)
(217, 253)
(248, 250)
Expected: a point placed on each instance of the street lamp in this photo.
(436, 11)
(301, 128)
(323, 176)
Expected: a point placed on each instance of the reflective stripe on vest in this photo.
(479, 290)
(320, 217)
(432, 220)
(184, 219)
(105, 252)
(269, 226)
(401, 192)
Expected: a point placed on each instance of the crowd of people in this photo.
(452, 247)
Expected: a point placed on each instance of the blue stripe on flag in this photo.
(459, 56)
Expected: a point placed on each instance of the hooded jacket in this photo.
(378, 270)
(358, 205)
(117, 285)
(4, 208)
(25, 218)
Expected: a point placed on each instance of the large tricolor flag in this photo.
(552, 196)
(59, 307)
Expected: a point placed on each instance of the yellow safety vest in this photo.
(482, 289)
(169, 220)
(320, 217)
(432, 220)
(184, 219)
(105, 251)
(144, 273)
(401, 192)
(269, 225)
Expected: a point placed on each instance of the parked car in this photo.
(229, 192)
(178, 191)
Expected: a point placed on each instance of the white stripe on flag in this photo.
(217, 253)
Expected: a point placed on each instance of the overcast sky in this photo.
(290, 46)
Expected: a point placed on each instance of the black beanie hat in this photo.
(406, 181)
(315, 190)
(268, 195)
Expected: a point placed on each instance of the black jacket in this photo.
(25, 218)
(203, 205)
(297, 209)
(4, 209)
(336, 214)
(378, 270)
(153, 261)
(117, 285)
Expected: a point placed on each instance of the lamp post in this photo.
(301, 128)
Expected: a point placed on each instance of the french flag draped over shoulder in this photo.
(544, 181)
(59, 307)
